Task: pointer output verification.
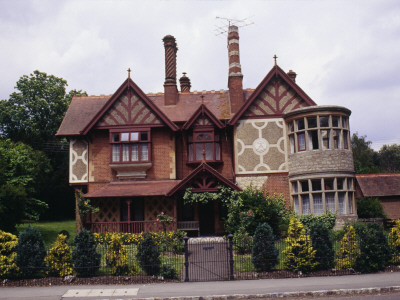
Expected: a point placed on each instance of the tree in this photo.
(366, 160)
(34, 112)
(349, 250)
(148, 255)
(322, 243)
(32, 115)
(264, 254)
(369, 207)
(85, 258)
(389, 158)
(23, 174)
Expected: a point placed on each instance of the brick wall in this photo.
(99, 157)
(391, 206)
(161, 146)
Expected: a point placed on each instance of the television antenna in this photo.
(223, 29)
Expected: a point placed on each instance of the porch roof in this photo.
(134, 189)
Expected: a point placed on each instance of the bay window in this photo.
(204, 141)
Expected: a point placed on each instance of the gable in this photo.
(275, 95)
(129, 109)
(203, 117)
(275, 99)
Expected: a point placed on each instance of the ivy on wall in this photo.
(224, 195)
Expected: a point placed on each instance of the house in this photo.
(135, 154)
(385, 187)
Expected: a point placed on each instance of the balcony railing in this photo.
(129, 226)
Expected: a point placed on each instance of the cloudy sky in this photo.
(344, 52)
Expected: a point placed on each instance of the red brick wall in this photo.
(391, 206)
(161, 139)
(99, 156)
(278, 183)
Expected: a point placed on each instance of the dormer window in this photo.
(130, 146)
(204, 140)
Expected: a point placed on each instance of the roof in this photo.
(134, 189)
(378, 185)
(83, 110)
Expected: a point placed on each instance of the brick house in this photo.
(134, 154)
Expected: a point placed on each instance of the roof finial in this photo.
(129, 73)
(204, 155)
(275, 57)
(202, 99)
(75, 93)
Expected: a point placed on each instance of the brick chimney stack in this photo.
(292, 75)
(235, 79)
(170, 88)
(185, 83)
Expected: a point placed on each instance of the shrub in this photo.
(85, 258)
(264, 254)
(12, 204)
(349, 251)
(394, 243)
(117, 258)
(322, 243)
(58, 258)
(328, 219)
(168, 272)
(31, 251)
(254, 207)
(375, 252)
(242, 242)
(148, 255)
(299, 254)
(8, 255)
(369, 207)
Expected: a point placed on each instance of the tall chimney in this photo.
(292, 75)
(185, 83)
(235, 79)
(170, 88)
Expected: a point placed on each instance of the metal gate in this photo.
(208, 259)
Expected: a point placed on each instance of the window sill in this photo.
(131, 171)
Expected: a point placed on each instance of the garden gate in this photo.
(208, 259)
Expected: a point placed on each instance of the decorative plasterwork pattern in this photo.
(260, 146)
(276, 99)
(129, 109)
(78, 161)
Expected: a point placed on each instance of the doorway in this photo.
(206, 218)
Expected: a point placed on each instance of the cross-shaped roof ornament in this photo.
(275, 57)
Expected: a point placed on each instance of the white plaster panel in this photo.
(78, 156)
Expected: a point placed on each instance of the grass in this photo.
(50, 230)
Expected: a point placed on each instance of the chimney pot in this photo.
(292, 75)
(185, 83)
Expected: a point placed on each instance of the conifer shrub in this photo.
(30, 251)
(375, 252)
(85, 258)
(8, 255)
(349, 250)
(394, 243)
(242, 242)
(117, 258)
(264, 254)
(299, 254)
(148, 255)
(58, 258)
(322, 243)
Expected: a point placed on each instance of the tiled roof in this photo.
(135, 189)
(83, 110)
(376, 185)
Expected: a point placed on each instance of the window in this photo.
(130, 146)
(318, 133)
(204, 142)
(318, 195)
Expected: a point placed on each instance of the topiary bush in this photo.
(242, 242)
(375, 252)
(85, 258)
(8, 255)
(322, 243)
(117, 258)
(264, 254)
(58, 258)
(148, 255)
(30, 251)
(299, 254)
(349, 250)
(394, 243)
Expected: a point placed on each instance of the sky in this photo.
(345, 52)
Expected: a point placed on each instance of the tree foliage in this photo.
(8, 255)
(320, 235)
(369, 207)
(394, 243)
(264, 254)
(58, 258)
(389, 158)
(148, 255)
(85, 258)
(252, 208)
(349, 250)
(366, 160)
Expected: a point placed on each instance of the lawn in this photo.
(50, 230)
